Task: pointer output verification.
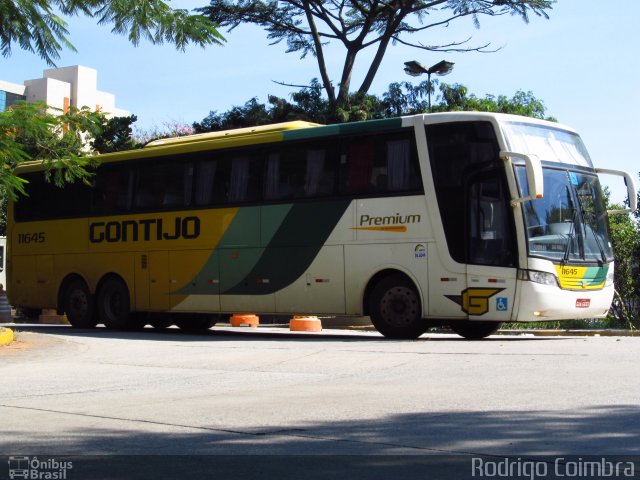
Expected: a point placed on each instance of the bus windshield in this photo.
(551, 144)
(569, 222)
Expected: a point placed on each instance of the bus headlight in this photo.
(544, 278)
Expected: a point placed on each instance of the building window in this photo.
(7, 99)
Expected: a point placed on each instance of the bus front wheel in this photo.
(114, 304)
(79, 305)
(395, 309)
(475, 330)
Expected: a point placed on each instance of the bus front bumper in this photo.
(539, 303)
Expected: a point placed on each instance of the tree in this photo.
(455, 98)
(625, 240)
(115, 135)
(400, 99)
(308, 104)
(32, 131)
(308, 26)
(36, 27)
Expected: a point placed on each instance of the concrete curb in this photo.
(572, 333)
(6, 336)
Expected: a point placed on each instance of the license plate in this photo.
(583, 303)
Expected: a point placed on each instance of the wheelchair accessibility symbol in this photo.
(502, 304)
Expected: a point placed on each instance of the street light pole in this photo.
(415, 69)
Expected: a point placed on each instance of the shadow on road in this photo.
(597, 430)
(276, 333)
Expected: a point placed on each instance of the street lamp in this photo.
(415, 69)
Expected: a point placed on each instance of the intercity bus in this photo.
(458, 219)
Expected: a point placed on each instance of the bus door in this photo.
(473, 201)
(490, 247)
(152, 281)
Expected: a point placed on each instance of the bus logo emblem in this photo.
(475, 301)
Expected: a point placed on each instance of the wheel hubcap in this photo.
(79, 303)
(114, 305)
(399, 306)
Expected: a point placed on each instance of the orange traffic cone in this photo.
(244, 319)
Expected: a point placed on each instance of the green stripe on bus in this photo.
(292, 249)
(596, 275)
(239, 249)
(368, 126)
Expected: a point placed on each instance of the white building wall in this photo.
(12, 87)
(78, 84)
(52, 92)
(106, 102)
(83, 81)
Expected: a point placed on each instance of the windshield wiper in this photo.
(571, 233)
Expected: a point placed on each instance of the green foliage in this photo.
(625, 240)
(35, 25)
(33, 131)
(455, 98)
(400, 99)
(308, 104)
(586, 324)
(115, 135)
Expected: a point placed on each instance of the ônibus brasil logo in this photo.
(36, 469)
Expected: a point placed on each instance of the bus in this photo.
(464, 220)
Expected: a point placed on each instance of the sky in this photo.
(583, 63)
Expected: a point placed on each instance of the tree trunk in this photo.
(322, 66)
(347, 70)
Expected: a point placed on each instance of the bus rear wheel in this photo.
(475, 330)
(79, 305)
(114, 304)
(395, 308)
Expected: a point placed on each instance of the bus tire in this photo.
(195, 323)
(114, 307)
(79, 304)
(475, 330)
(395, 308)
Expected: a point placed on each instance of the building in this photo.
(61, 88)
(10, 93)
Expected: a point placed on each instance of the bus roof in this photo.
(237, 132)
(295, 130)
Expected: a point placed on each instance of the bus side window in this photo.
(356, 165)
(320, 175)
(205, 178)
(112, 190)
(379, 165)
(1, 258)
(275, 184)
(245, 179)
(164, 185)
(178, 187)
(298, 173)
(150, 186)
(402, 173)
